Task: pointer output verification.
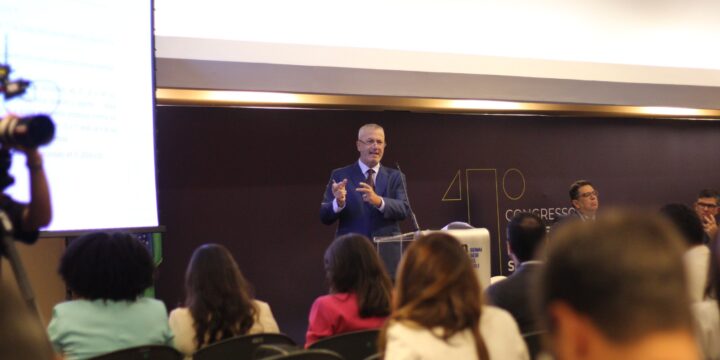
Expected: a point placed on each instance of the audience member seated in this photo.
(614, 289)
(706, 207)
(437, 311)
(218, 303)
(525, 233)
(360, 290)
(697, 255)
(584, 199)
(707, 313)
(107, 274)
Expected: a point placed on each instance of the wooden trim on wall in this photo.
(225, 98)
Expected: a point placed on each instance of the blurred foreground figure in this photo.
(23, 337)
(616, 289)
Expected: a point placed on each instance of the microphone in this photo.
(412, 213)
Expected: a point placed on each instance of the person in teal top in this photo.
(107, 274)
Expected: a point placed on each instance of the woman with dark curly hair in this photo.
(438, 313)
(218, 302)
(107, 274)
(360, 290)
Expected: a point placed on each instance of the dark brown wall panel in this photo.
(252, 179)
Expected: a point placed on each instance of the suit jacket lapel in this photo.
(356, 177)
(381, 181)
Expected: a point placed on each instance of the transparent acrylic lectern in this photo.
(475, 241)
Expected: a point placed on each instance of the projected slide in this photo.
(90, 63)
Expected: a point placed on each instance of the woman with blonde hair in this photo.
(438, 313)
(218, 301)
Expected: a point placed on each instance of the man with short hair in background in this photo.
(706, 207)
(614, 289)
(584, 199)
(525, 234)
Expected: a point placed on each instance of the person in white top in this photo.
(437, 311)
(616, 289)
(218, 303)
(707, 327)
(697, 254)
(707, 312)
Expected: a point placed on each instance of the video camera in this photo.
(29, 131)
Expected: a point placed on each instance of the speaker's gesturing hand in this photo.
(369, 195)
(339, 191)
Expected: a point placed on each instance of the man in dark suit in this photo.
(366, 197)
(525, 234)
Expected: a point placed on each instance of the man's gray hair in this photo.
(370, 126)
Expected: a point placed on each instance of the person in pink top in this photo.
(360, 290)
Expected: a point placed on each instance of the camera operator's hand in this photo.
(33, 157)
(39, 211)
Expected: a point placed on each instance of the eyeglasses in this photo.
(371, 142)
(706, 205)
(594, 193)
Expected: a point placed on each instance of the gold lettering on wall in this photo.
(456, 194)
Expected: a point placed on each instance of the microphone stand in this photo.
(407, 196)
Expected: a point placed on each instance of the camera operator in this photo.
(26, 219)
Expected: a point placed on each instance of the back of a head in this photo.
(437, 288)
(353, 266)
(525, 233)
(217, 294)
(437, 285)
(109, 266)
(213, 274)
(686, 221)
(624, 272)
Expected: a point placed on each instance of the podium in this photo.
(476, 243)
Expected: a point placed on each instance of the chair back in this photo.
(534, 342)
(146, 352)
(268, 350)
(310, 354)
(356, 345)
(239, 347)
